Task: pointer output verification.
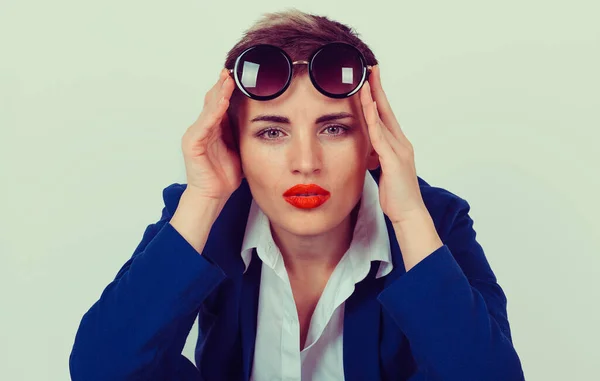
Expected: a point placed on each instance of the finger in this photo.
(216, 95)
(223, 74)
(376, 117)
(376, 132)
(225, 92)
(212, 94)
(219, 109)
(396, 145)
(379, 95)
(386, 112)
(214, 111)
(398, 148)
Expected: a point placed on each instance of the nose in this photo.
(305, 155)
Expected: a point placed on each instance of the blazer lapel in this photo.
(223, 248)
(225, 239)
(361, 329)
(249, 311)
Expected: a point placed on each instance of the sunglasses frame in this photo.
(366, 71)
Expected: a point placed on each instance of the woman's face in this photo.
(283, 143)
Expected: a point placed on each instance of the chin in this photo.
(309, 230)
(306, 230)
(312, 223)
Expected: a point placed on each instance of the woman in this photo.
(303, 242)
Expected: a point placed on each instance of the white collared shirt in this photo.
(277, 354)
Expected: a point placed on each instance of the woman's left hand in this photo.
(399, 192)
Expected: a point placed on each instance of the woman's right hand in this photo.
(212, 163)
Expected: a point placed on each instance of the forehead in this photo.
(300, 100)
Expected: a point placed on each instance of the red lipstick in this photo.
(306, 196)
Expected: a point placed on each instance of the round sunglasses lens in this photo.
(338, 69)
(263, 71)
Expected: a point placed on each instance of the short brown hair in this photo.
(298, 34)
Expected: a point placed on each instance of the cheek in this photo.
(260, 168)
(351, 164)
(350, 156)
(253, 154)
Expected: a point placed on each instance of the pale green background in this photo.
(500, 100)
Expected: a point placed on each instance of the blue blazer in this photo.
(445, 319)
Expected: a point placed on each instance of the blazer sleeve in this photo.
(138, 327)
(453, 312)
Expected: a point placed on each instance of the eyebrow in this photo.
(283, 119)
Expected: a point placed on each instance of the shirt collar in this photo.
(370, 241)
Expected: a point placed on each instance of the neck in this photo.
(315, 256)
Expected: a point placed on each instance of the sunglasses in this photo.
(337, 70)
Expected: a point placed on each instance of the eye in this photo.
(336, 129)
(275, 133)
(269, 134)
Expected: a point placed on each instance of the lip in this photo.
(306, 196)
